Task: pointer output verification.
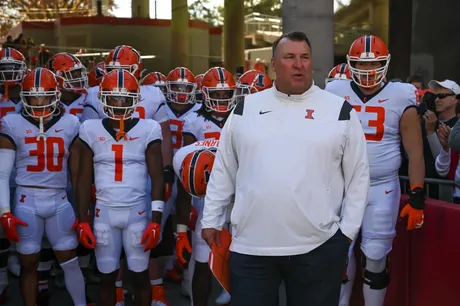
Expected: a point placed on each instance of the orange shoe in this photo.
(120, 297)
(158, 296)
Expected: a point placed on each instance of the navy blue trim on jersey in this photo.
(365, 98)
(129, 124)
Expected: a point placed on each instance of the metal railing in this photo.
(445, 187)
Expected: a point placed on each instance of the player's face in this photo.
(9, 71)
(368, 66)
(39, 100)
(293, 66)
(445, 100)
(223, 95)
(119, 104)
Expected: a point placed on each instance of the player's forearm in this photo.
(83, 199)
(166, 144)
(416, 168)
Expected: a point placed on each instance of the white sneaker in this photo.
(224, 298)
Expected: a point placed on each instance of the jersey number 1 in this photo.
(118, 150)
(46, 159)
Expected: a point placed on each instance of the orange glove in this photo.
(151, 236)
(182, 244)
(193, 218)
(9, 222)
(85, 234)
(414, 209)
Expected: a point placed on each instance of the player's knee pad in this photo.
(375, 273)
(102, 233)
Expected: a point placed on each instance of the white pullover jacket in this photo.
(289, 162)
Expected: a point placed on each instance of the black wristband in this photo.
(417, 198)
(168, 174)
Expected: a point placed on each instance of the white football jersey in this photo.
(41, 163)
(76, 107)
(120, 168)
(176, 123)
(380, 115)
(151, 105)
(7, 106)
(202, 128)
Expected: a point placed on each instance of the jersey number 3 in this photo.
(378, 124)
(49, 153)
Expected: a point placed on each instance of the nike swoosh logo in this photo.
(388, 191)
(63, 197)
(57, 131)
(382, 100)
(141, 212)
(261, 112)
(133, 138)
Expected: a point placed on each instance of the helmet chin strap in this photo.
(41, 133)
(121, 133)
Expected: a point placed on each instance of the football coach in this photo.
(293, 160)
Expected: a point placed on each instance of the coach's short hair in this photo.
(293, 36)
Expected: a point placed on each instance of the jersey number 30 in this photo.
(378, 123)
(49, 153)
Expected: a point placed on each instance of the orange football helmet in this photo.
(180, 86)
(368, 49)
(195, 171)
(96, 74)
(339, 72)
(253, 81)
(219, 90)
(40, 93)
(13, 66)
(68, 67)
(198, 81)
(156, 79)
(119, 94)
(125, 57)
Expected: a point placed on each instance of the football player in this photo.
(73, 84)
(96, 74)
(121, 151)
(151, 105)
(12, 71)
(156, 79)
(199, 83)
(180, 94)
(41, 144)
(196, 158)
(219, 92)
(339, 72)
(389, 115)
(253, 81)
(73, 81)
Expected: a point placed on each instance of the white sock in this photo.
(346, 290)
(373, 297)
(156, 282)
(74, 281)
